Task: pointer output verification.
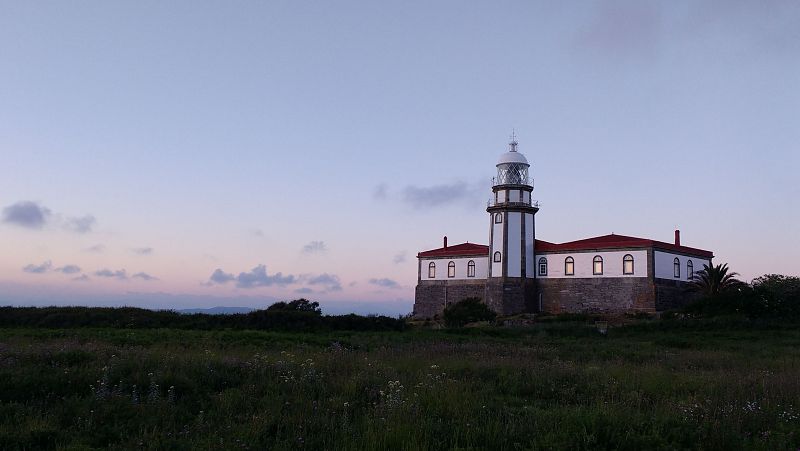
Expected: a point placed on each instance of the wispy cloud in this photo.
(399, 258)
(304, 290)
(144, 276)
(315, 247)
(384, 283)
(27, 214)
(330, 282)
(96, 249)
(119, 274)
(69, 269)
(142, 250)
(256, 277)
(421, 198)
(38, 269)
(81, 278)
(381, 192)
(82, 224)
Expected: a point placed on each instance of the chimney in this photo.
(677, 237)
(445, 241)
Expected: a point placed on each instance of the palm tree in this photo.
(713, 280)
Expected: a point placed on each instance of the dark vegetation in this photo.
(300, 316)
(768, 296)
(469, 310)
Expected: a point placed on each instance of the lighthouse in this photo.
(510, 285)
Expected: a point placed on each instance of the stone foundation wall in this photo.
(597, 295)
(511, 295)
(432, 296)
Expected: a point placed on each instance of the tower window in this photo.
(432, 270)
(627, 264)
(471, 268)
(569, 266)
(676, 267)
(498, 218)
(497, 257)
(689, 270)
(542, 266)
(597, 265)
(451, 269)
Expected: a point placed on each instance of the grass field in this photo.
(562, 385)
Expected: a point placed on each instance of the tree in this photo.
(468, 310)
(298, 305)
(778, 295)
(713, 280)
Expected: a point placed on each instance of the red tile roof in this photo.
(599, 242)
(459, 250)
(617, 241)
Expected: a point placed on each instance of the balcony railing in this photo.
(531, 203)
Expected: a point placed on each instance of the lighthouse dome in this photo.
(512, 157)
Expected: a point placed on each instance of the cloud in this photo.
(257, 233)
(621, 30)
(69, 269)
(96, 249)
(381, 192)
(399, 258)
(81, 278)
(38, 269)
(119, 274)
(29, 215)
(143, 250)
(442, 195)
(144, 276)
(81, 224)
(331, 282)
(315, 247)
(256, 277)
(385, 283)
(304, 290)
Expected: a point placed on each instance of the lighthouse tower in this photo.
(510, 286)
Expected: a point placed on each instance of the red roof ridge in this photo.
(462, 249)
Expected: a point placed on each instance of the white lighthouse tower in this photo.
(510, 287)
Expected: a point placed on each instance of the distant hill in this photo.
(216, 310)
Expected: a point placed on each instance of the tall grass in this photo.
(543, 388)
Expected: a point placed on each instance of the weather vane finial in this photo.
(513, 143)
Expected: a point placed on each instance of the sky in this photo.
(194, 154)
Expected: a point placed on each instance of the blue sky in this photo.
(312, 148)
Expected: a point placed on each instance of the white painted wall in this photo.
(612, 264)
(514, 243)
(501, 196)
(481, 268)
(497, 245)
(664, 262)
(530, 263)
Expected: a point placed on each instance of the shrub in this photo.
(468, 310)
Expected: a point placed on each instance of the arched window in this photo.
(676, 266)
(542, 266)
(498, 218)
(627, 264)
(471, 268)
(432, 270)
(569, 266)
(497, 257)
(451, 269)
(689, 270)
(597, 265)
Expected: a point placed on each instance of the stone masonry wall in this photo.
(510, 296)
(432, 296)
(597, 295)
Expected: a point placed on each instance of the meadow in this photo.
(561, 385)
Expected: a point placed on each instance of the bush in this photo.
(468, 310)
